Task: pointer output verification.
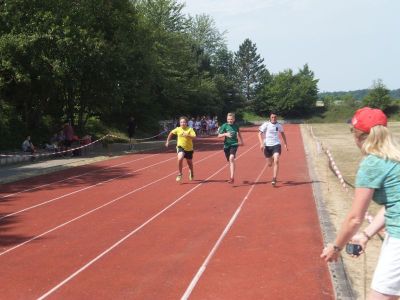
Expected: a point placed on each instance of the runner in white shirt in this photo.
(271, 145)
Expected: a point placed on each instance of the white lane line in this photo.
(76, 176)
(86, 188)
(83, 268)
(80, 190)
(203, 267)
(93, 210)
(73, 177)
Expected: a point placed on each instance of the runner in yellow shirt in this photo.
(184, 146)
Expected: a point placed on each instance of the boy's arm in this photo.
(191, 134)
(220, 133)
(284, 140)
(260, 138)
(168, 138)
(241, 138)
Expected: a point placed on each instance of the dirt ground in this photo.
(338, 139)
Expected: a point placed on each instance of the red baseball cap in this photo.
(365, 118)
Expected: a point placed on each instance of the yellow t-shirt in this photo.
(185, 142)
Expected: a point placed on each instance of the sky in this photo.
(348, 44)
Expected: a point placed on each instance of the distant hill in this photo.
(357, 94)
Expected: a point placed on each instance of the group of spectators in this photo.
(204, 125)
(60, 141)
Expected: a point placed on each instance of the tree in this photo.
(206, 35)
(288, 94)
(225, 79)
(378, 96)
(250, 69)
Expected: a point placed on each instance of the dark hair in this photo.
(183, 117)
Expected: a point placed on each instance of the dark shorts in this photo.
(187, 154)
(269, 151)
(230, 150)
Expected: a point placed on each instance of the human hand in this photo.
(262, 147)
(330, 254)
(166, 144)
(360, 239)
(287, 149)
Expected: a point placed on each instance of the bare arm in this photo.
(377, 224)
(260, 138)
(241, 138)
(351, 224)
(191, 134)
(168, 138)
(284, 140)
(224, 134)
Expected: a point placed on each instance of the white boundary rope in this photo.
(79, 147)
(336, 170)
(143, 139)
(54, 153)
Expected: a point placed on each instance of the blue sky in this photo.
(347, 43)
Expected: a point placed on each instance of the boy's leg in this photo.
(190, 164)
(276, 164)
(268, 156)
(180, 161)
(270, 161)
(232, 166)
(276, 155)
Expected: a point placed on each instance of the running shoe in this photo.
(179, 178)
(191, 176)
(273, 182)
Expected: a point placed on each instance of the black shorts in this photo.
(230, 150)
(187, 154)
(269, 151)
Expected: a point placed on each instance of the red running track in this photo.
(124, 229)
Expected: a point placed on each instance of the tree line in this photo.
(357, 94)
(99, 62)
(378, 96)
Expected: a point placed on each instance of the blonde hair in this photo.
(183, 118)
(379, 142)
(231, 115)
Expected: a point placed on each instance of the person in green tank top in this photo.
(378, 179)
(231, 134)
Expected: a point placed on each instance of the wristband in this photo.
(366, 235)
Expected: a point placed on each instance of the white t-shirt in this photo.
(25, 145)
(271, 132)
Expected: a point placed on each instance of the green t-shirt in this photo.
(383, 176)
(230, 141)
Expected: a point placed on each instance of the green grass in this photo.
(250, 116)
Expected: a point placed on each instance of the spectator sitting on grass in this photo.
(53, 145)
(27, 145)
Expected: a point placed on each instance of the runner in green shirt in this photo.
(230, 131)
